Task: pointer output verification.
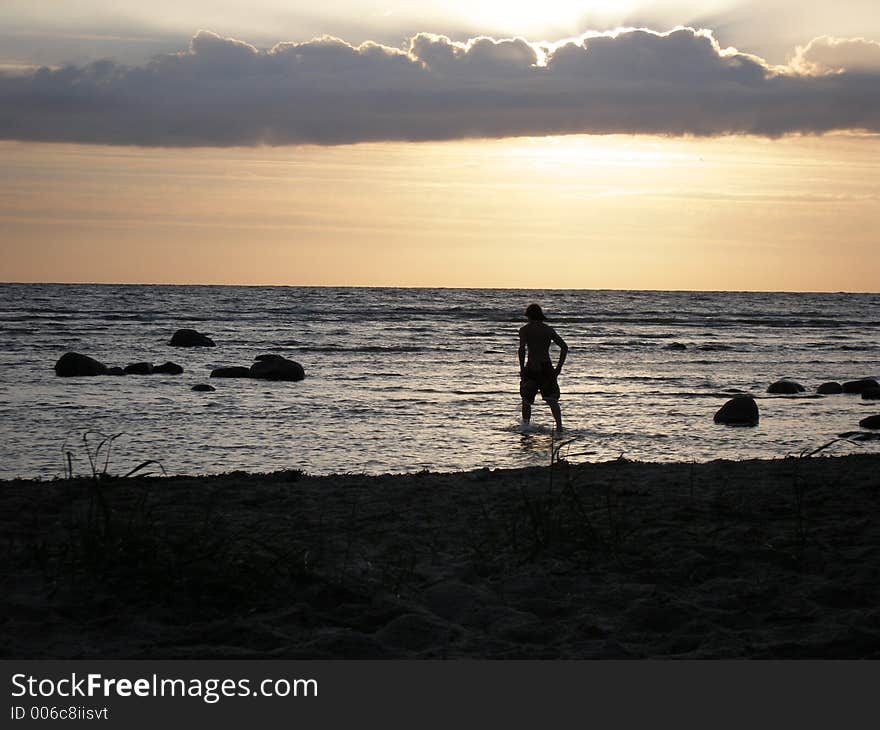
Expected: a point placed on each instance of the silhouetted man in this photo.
(536, 373)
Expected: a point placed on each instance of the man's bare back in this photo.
(537, 337)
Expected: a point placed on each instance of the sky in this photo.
(593, 144)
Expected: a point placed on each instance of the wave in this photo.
(842, 348)
(367, 348)
(416, 317)
(689, 320)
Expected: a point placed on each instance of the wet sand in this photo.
(764, 559)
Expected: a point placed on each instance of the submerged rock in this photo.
(871, 394)
(857, 386)
(676, 346)
(168, 368)
(139, 368)
(859, 436)
(115, 371)
(785, 387)
(72, 364)
(236, 371)
(190, 338)
(739, 411)
(203, 388)
(715, 348)
(830, 388)
(276, 367)
(870, 422)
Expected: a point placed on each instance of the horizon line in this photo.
(423, 286)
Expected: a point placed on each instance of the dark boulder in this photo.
(139, 368)
(785, 387)
(236, 371)
(871, 394)
(739, 411)
(275, 367)
(857, 386)
(190, 338)
(870, 422)
(831, 388)
(203, 388)
(168, 368)
(115, 371)
(72, 364)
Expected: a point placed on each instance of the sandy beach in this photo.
(763, 559)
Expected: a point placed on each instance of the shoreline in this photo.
(620, 559)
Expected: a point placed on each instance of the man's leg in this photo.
(557, 413)
(528, 389)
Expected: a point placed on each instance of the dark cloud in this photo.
(325, 91)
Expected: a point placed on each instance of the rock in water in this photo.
(786, 387)
(168, 368)
(870, 422)
(115, 371)
(739, 411)
(857, 386)
(275, 367)
(139, 368)
(203, 388)
(236, 371)
(190, 338)
(72, 364)
(871, 394)
(831, 388)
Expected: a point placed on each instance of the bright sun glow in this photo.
(524, 16)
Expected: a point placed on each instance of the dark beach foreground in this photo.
(764, 559)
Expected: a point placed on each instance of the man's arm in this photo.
(563, 350)
(522, 352)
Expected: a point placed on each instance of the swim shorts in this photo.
(541, 379)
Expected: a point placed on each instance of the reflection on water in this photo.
(401, 380)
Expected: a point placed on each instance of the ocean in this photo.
(403, 380)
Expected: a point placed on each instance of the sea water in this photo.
(400, 380)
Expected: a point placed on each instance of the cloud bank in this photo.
(225, 92)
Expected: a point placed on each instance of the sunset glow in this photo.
(581, 212)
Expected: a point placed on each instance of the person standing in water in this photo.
(536, 371)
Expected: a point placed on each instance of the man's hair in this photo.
(534, 311)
